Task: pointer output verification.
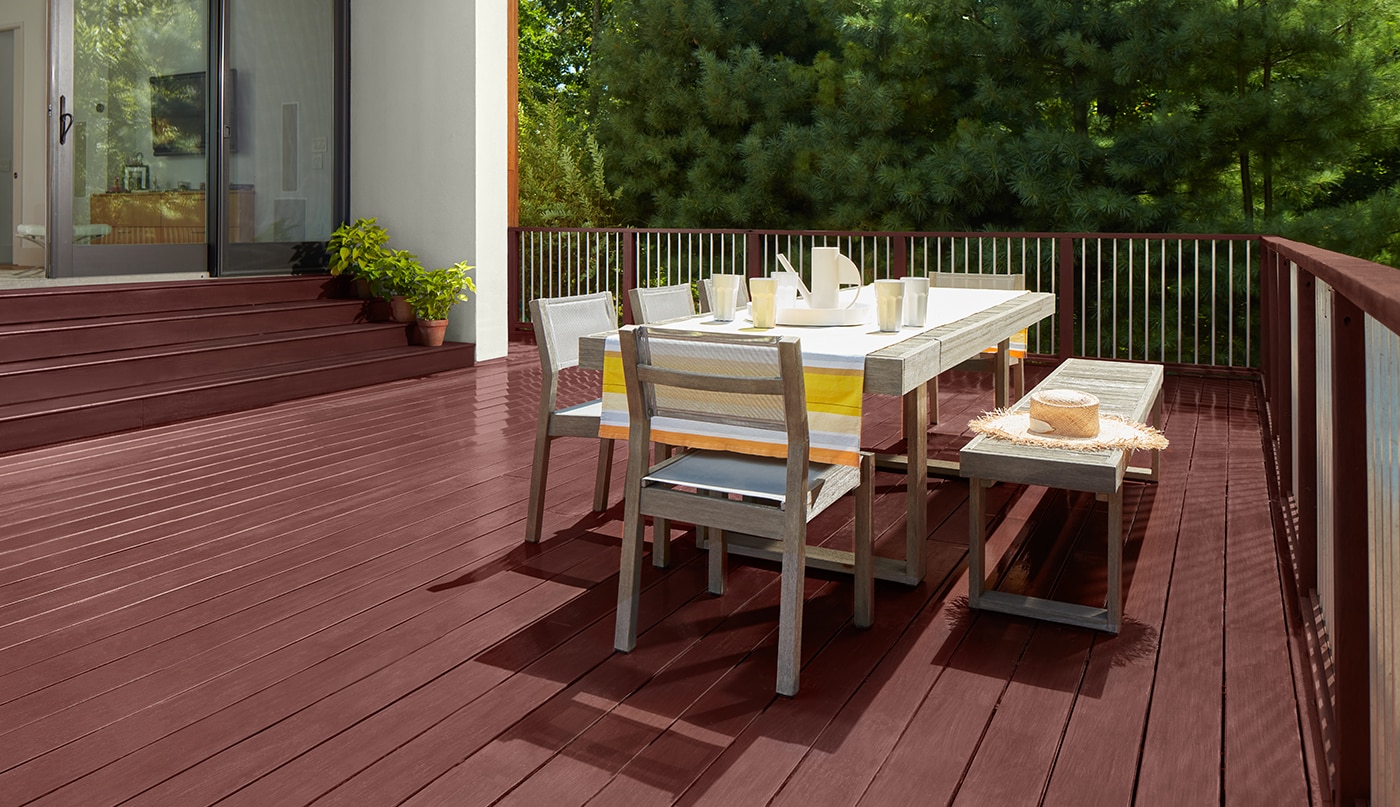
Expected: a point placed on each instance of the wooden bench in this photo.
(1131, 390)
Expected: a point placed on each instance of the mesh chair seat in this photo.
(754, 383)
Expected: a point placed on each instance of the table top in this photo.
(895, 369)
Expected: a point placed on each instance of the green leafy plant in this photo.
(395, 273)
(355, 249)
(435, 292)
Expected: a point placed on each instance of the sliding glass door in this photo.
(129, 156)
(194, 135)
(284, 151)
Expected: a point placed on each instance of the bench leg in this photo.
(976, 538)
(1114, 604)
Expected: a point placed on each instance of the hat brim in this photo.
(1115, 432)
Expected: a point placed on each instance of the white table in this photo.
(904, 369)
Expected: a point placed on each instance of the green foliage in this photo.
(395, 273)
(561, 172)
(1063, 115)
(434, 292)
(356, 249)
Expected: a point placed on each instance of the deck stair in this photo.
(78, 361)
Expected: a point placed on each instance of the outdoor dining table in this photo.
(962, 323)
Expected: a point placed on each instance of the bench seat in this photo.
(1131, 390)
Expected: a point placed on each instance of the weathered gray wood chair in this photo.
(987, 361)
(706, 286)
(559, 322)
(661, 303)
(755, 395)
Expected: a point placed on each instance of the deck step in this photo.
(46, 304)
(70, 337)
(80, 361)
(56, 420)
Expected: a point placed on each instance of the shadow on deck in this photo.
(329, 601)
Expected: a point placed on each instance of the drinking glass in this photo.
(725, 289)
(889, 304)
(763, 301)
(915, 301)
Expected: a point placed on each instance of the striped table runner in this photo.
(834, 395)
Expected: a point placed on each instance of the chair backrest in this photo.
(661, 303)
(747, 392)
(706, 307)
(560, 321)
(974, 280)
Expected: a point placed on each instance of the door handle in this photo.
(65, 119)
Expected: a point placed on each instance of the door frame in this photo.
(107, 259)
(17, 121)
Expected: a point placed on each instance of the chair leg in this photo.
(790, 609)
(539, 476)
(718, 560)
(1002, 373)
(1018, 378)
(933, 400)
(600, 486)
(865, 570)
(629, 577)
(660, 527)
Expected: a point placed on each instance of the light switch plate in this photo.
(318, 144)
(7, 165)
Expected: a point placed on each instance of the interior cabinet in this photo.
(167, 217)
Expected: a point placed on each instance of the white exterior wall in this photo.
(30, 17)
(423, 75)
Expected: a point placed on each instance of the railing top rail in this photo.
(897, 233)
(1374, 287)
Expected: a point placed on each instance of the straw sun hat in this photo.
(1068, 419)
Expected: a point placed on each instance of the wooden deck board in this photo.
(277, 606)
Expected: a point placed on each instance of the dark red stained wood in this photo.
(1181, 749)
(1258, 671)
(301, 616)
(1099, 752)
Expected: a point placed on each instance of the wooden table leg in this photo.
(916, 437)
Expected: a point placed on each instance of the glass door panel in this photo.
(280, 128)
(132, 137)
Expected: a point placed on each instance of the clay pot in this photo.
(400, 310)
(431, 331)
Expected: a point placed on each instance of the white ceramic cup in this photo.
(763, 301)
(724, 294)
(915, 301)
(889, 304)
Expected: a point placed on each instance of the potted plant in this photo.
(433, 295)
(397, 272)
(355, 250)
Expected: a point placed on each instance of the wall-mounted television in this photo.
(178, 114)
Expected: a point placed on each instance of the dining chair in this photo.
(705, 306)
(661, 303)
(559, 322)
(986, 361)
(749, 394)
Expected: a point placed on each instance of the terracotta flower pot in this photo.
(432, 331)
(400, 309)
(361, 287)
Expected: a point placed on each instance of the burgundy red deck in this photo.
(328, 601)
